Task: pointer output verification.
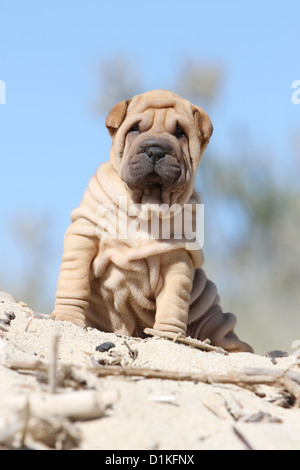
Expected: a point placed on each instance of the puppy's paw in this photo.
(174, 329)
(75, 318)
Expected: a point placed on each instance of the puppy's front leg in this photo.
(73, 288)
(173, 298)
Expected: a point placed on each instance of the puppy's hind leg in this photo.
(207, 320)
(218, 327)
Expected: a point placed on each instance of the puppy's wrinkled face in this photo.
(156, 156)
(158, 140)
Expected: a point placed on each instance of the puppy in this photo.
(129, 259)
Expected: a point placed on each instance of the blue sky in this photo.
(51, 141)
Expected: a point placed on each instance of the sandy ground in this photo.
(138, 413)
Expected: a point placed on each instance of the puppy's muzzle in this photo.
(154, 161)
(155, 150)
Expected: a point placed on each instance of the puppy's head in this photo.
(158, 140)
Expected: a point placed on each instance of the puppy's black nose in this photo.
(155, 153)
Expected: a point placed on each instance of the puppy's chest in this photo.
(131, 281)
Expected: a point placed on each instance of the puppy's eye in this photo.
(135, 128)
(179, 132)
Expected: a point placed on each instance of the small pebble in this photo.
(276, 353)
(105, 346)
(10, 316)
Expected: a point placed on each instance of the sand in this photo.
(138, 413)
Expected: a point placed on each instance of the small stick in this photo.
(52, 372)
(28, 324)
(26, 421)
(233, 378)
(27, 364)
(185, 340)
(242, 438)
(78, 405)
(239, 379)
(291, 374)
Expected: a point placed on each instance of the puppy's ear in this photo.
(116, 116)
(203, 125)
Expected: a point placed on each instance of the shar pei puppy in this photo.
(129, 260)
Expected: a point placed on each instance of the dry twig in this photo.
(235, 378)
(53, 363)
(242, 438)
(31, 364)
(195, 343)
(81, 405)
(232, 378)
(286, 380)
